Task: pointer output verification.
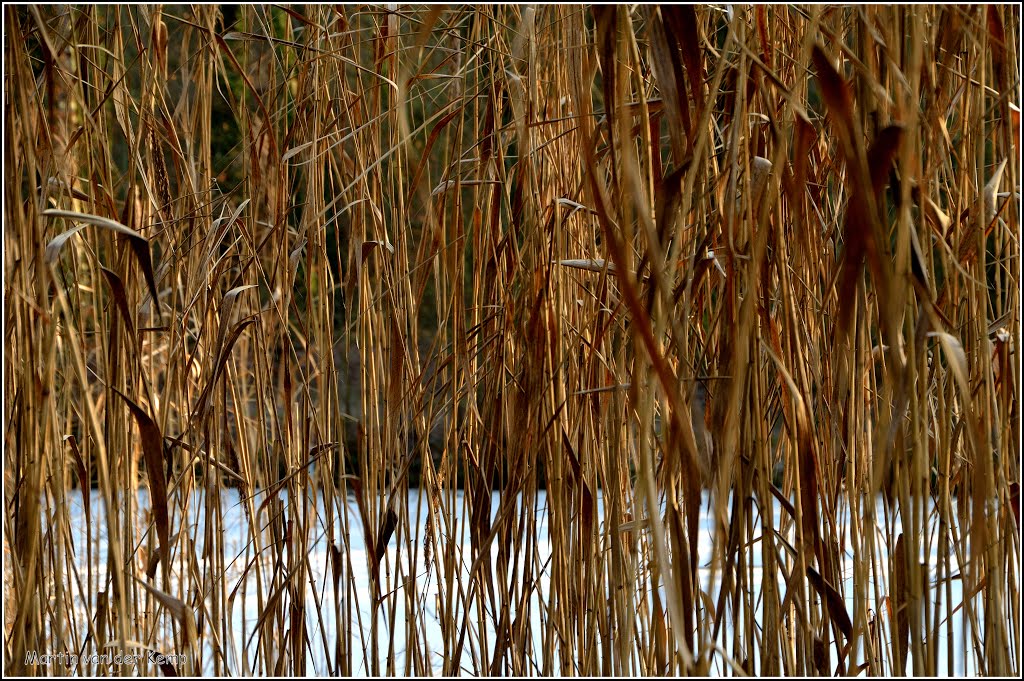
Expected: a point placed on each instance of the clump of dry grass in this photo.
(520, 235)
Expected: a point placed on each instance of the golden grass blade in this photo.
(422, 429)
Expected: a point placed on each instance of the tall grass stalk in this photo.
(326, 255)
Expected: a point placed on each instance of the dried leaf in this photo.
(902, 628)
(660, 628)
(153, 451)
(668, 70)
(227, 309)
(997, 46)
(435, 132)
(595, 265)
(807, 466)
(957, 359)
(432, 14)
(139, 244)
(222, 359)
(863, 232)
(918, 266)
(991, 188)
(337, 564)
(387, 528)
(120, 298)
(53, 248)
(177, 608)
(159, 46)
(683, 571)
(833, 601)
(1015, 502)
(368, 246)
(587, 507)
(681, 21)
(296, 150)
(763, 35)
(760, 170)
(1015, 121)
(668, 199)
(166, 668)
(223, 347)
(882, 155)
(396, 364)
(819, 655)
(572, 204)
(606, 23)
(940, 217)
(83, 476)
(155, 557)
(787, 506)
(837, 94)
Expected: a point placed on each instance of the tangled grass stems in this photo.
(313, 258)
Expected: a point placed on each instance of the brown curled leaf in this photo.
(153, 452)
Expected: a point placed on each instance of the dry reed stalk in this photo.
(320, 257)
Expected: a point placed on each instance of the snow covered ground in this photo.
(321, 617)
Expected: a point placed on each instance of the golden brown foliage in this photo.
(330, 253)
